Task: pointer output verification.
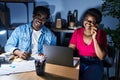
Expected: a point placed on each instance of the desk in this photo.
(62, 33)
(53, 72)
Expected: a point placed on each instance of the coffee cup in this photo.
(40, 66)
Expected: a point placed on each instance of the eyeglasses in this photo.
(42, 19)
(93, 22)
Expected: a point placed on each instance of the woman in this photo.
(91, 43)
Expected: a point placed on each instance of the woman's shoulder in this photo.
(79, 29)
(100, 31)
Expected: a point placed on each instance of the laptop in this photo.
(60, 55)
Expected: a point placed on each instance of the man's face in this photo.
(38, 21)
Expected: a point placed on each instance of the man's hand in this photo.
(22, 54)
(42, 56)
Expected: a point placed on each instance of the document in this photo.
(17, 67)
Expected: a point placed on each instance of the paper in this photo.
(23, 66)
(16, 67)
(5, 69)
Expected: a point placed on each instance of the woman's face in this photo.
(89, 21)
(38, 21)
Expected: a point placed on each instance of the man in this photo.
(30, 38)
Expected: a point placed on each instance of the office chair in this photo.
(109, 59)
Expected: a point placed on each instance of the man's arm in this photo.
(11, 44)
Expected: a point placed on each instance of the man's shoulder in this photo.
(23, 26)
(46, 30)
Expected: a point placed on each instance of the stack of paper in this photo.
(16, 67)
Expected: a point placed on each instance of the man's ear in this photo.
(33, 16)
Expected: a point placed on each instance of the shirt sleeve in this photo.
(12, 41)
(73, 39)
(53, 39)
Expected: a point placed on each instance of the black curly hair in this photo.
(95, 13)
(41, 9)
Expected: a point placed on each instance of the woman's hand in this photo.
(94, 31)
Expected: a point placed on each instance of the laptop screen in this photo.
(59, 55)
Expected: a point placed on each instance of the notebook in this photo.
(60, 55)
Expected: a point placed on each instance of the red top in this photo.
(87, 50)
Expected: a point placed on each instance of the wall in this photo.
(18, 10)
(3, 37)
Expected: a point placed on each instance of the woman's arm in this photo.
(100, 50)
(72, 46)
